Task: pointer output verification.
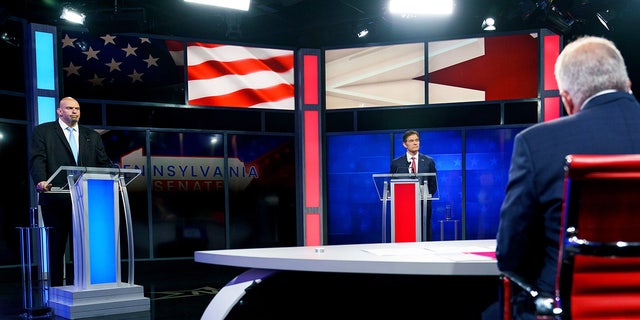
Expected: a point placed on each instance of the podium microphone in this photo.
(113, 164)
(410, 169)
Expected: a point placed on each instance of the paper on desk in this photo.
(443, 249)
(450, 253)
(398, 251)
(466, 253)
(464, 256)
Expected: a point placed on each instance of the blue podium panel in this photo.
(102, 232)
(98, 289)
(96, 229)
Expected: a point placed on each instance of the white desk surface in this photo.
(463, 257)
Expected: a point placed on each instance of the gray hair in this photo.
(589, 65)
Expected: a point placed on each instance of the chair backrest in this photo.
(599, 263)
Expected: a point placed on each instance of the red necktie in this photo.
(413, 165)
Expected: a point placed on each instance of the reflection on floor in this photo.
(182, 290)
(177, 289)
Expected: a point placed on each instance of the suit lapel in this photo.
(83, 140)
(63, 139)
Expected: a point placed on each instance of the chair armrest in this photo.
(619, 249)
(544, 302)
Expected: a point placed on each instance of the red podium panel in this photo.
(406, 223)
(406, 197)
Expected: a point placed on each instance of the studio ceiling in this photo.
(323, 23)
(326, 24)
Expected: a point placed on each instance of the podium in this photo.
(408, 195)
(98, 289)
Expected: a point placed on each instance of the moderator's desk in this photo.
(448, 258)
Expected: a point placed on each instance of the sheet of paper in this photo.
(399, 252)
(444, 249)
(464, 256)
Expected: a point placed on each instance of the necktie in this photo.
(73, 144)
(413, 165)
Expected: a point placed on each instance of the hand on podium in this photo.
(43, 186)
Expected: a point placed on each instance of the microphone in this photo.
(414, 175)
(401, 171)
(410, 169)
(113, 164)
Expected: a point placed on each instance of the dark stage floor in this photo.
(182, 290)
(178, 289)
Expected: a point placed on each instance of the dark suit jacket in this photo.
(425, 165)
(529, 228)
(50, 150)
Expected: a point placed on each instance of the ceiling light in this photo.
(363, 33)
(9, 39)
(231, 4)
(558, 21)
(489, 24)
(72, 15)
(605, 17)
(421, 6)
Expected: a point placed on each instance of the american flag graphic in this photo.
(239, 76)
(503, 68)
(119, 67)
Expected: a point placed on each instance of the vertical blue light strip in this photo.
(46, 109)
(42, 77)
(45, 62)
(101, 231)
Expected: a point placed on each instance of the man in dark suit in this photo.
(415, 162)
(50, 148)
(604, 118)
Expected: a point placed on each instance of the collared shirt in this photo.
(64, 127)
(595, 95)
(409, 161)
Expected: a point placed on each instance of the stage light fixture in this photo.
(363, 33)
(230, 4)
(489, 24)
(421, 7)
(9, 39)
(558, 21)
(605, 18)
(72, 15)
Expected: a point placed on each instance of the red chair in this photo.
(599, 257)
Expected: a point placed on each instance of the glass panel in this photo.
(187, 194)
(14, 208)
(445, 147)
(127, 150)
(487, 169)
(354, 208)
(262, 193)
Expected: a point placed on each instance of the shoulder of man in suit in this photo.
(48, 124)
(86, 129)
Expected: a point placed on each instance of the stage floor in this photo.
(178, 289)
